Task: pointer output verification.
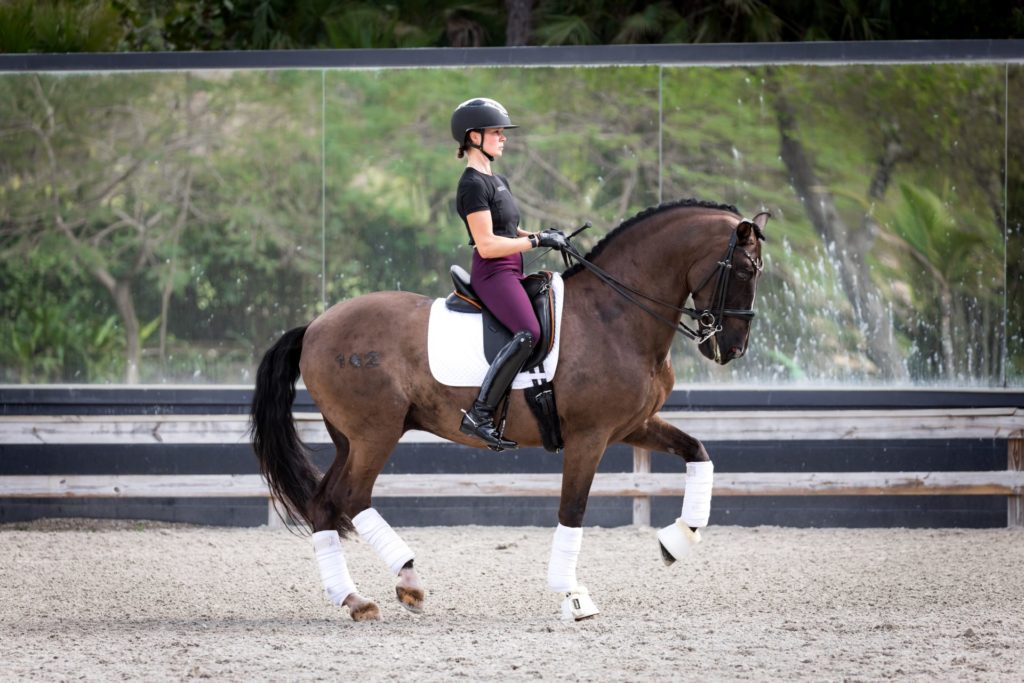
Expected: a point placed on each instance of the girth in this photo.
(496, 335)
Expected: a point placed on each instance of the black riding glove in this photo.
(554, 239)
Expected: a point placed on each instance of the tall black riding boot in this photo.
(479, 420)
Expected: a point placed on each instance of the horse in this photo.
(623, 303)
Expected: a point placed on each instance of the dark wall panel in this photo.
(423, 458)
(796, 456)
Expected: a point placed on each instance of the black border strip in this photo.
(710, 54)
(200, 400)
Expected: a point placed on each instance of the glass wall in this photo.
(166, 227)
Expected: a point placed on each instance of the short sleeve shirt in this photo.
(480, 192)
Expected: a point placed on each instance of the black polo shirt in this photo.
(480, 192)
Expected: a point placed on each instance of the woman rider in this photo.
(486, 206)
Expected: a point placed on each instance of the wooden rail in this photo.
(758, 425)
(640, 484)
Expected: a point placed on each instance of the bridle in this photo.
(709, 321)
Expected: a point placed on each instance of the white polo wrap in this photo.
(374, 530)
(333, 570)
(700, 478)
(565, 550)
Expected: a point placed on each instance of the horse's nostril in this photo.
(736, 352)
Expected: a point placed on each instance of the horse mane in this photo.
(629, 223)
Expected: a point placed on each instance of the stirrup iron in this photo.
(492, 436)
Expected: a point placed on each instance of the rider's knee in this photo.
(529, 335)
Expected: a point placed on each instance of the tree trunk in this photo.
(122, 294)
(517, 30)
(946, 330)
(850, 247)
(172, 267)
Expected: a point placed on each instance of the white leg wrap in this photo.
(374, 530)
(565, 550)
(333, 571)
(697, 495)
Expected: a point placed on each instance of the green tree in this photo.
(114, 167)
(45, 336)
(60, 26)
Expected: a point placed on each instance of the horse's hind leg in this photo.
(328, 520)
(347, 495)
(396, 554)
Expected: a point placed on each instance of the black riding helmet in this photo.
(477, 114)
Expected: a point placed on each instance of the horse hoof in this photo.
(677, 541)
(411, 598)
(578, 605)
(364, 610)
(666, 556)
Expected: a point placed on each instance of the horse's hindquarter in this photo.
(360, 355)
(364, 362)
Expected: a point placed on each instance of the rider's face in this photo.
(494, 141)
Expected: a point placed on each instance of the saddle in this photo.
(538, 287)
(541, 396)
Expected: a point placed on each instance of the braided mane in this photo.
(626, 225)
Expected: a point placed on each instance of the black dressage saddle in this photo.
(538, 288)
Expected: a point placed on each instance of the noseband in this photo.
(709, 321)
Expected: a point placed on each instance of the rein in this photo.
(709, 321)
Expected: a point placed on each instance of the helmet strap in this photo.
(469, 143)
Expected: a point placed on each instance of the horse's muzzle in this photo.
(734, 353)
(712, 350)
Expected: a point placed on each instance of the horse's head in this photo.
(723, 297)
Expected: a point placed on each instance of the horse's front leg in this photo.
(578, 467)
(657, 435)
(678, 539)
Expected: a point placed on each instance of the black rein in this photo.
(709, 321)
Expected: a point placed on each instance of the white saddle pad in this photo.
(455, 346)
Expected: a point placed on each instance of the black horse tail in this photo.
(284, 461)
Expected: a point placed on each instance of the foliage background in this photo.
(169, 25)
(166, 227)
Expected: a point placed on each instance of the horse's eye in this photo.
(744, 274)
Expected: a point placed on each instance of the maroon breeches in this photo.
(498, 283)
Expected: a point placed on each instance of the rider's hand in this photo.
(555, 239)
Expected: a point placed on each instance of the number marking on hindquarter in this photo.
(370, 359)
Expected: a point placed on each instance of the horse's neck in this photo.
(651, 258)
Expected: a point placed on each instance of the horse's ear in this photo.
(743, 230)
(761, 220)
(755, 225)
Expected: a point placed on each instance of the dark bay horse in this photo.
(613, 375)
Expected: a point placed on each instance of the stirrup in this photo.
(490, 436)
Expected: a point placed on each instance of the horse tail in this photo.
(284, 461)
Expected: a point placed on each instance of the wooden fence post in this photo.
(1015, 463)
(641, 504)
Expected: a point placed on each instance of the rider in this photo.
(486, 206)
